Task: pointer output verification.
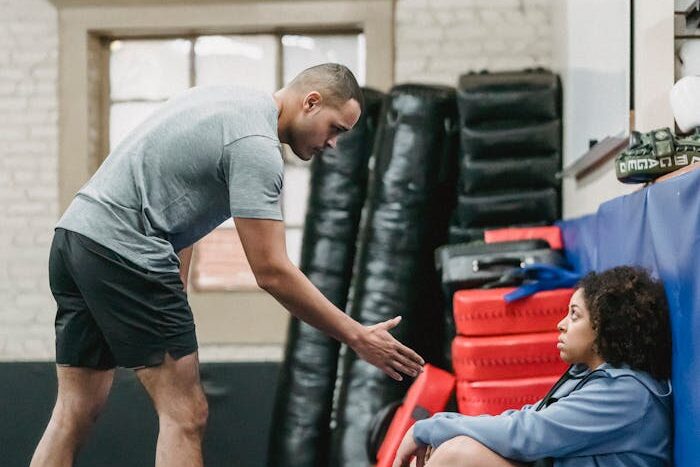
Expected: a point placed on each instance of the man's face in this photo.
(576, 334)
(318, 125)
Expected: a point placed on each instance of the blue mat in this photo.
(657, 228)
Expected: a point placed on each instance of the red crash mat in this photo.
(427, 395)
(483, 312)
(550, 233)
(506, 357)
(493, 397)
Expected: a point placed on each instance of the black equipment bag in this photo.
(522, 95)
(471, 265)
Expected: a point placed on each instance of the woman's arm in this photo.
(601, 417)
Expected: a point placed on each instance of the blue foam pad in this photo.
(657, 228)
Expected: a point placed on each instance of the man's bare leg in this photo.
(178, 398)
(82, 392)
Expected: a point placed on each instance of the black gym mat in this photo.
(240, 399)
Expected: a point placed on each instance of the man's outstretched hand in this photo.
(379, 348)
(264, 244)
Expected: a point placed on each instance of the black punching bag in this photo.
(412, 192)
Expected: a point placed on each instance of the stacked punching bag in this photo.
(510, 141)
(510, 154)
(300, 434)
(410, 200)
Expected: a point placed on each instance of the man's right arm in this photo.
(264, 243)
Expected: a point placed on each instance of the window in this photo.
(144, 73)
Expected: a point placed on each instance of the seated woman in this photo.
(613, 407)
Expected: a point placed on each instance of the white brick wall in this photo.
(28, 175)
(437, 40)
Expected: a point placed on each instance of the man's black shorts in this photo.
(112, 312)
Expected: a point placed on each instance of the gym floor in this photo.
(240, 396)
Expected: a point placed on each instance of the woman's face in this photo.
(577, 337)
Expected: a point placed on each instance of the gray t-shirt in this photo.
(206, 155)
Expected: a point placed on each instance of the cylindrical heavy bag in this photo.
(411, 195)
(483, 176)
(521, 95)
(300, 434)
(511, 139)
(506, 209)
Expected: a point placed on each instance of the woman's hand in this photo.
(428, 453)
(408, 448)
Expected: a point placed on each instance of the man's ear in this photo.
(312, 101)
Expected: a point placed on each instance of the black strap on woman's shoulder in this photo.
(547, 400)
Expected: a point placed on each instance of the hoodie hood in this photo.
(659, 388)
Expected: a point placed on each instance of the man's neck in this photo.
(282, 117)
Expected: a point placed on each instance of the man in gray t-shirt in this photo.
(209, 154)
(123, 246)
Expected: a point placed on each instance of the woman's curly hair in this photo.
(629, 314)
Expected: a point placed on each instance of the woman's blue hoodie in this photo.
(608, 417)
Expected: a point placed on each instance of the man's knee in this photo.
(75, 413)
(200, 412)
(456, 451)
(177, 393)
(189, 415)
(82, 394)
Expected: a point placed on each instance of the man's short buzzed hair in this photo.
(333, 81)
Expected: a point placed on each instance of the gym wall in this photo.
(28, 175)
(437, 40)
(652, 79)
